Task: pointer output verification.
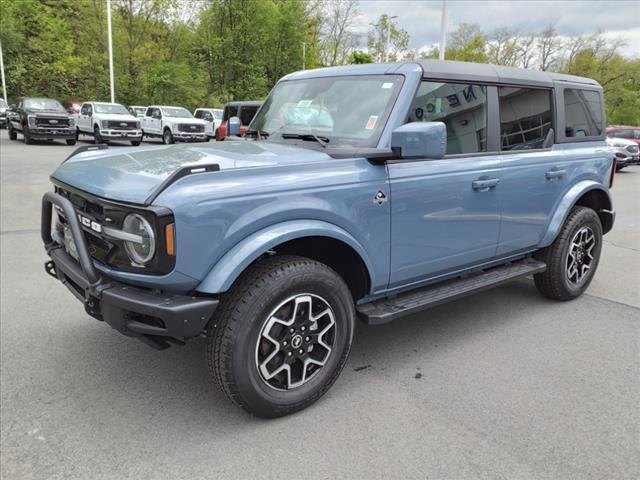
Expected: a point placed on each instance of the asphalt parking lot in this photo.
(504, 384)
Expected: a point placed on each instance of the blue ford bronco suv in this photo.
(370, 191)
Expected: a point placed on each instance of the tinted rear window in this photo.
(247, 114)
(525, 117)
(583, 113)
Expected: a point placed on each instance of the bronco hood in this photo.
(133, 174)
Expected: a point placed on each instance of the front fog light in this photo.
(141, 248)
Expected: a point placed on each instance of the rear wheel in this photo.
(572, 259)
(282, 335)
(11, 132)
(71, 142)
(167, 137)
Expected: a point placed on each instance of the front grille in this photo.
(122, 125)
(633, 149)
(190, 127)
(52, 122)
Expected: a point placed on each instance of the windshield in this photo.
(44, 104)
(178, 112)
(348, 111)
(115, 109)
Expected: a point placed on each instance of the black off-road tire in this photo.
(135, 143)
(241, 316)
(71, 142)
(554, 283)
(13, 135)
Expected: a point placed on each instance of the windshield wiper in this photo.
(307, 137)
(259, 134)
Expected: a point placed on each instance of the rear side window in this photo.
(198, 114)
(229, 112)
(247, 114)
(461, 107)
(525, 117)
(582, 112)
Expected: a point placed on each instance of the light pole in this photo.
(304, 55)
(113, 97)
(4, 86)
(443, 30)
(386, 47)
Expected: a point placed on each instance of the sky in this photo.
(421, 18)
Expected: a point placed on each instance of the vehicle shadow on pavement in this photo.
(175, 383)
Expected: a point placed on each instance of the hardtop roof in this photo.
(244, 103)
(453, 70)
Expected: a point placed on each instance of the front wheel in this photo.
(135, 143)
(97, 138)
(572, 259)
(167, 137)
(26, 136)
(11, 132)
(281, 335)
(71, 142)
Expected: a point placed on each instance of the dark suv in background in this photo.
(244, 110)
(40, 119)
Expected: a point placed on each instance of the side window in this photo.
(582, 112)
(247, 114)
(156, 113)
(149, 112)
(622, 134)
(462, 108)
(230, 111)
(198, 114)
(84, 109)
(636, 134)
(207, 116)
(89, 109)
(525, 117)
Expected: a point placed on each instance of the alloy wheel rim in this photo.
(580, 257)
(296, 341)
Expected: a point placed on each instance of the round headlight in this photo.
(142, 248)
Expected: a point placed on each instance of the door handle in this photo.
(484, 185)
(555, 173)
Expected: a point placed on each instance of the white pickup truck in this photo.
(108, 121)
(173, 124)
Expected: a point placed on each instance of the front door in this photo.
(445, 214)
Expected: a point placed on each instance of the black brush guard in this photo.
(155, 317)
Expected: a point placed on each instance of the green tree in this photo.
(358, 57)
(386, 41)
(467, 44)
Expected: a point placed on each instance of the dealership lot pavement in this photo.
(504, 384)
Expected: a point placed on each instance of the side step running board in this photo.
(387, 309)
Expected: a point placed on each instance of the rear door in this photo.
(446, 213)
(535, 174)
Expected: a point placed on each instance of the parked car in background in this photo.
(173, 124)
(245, 111)
(626, 151)
(628, 133)
(40, 119)
(73, 106)
(371, 191)
(213, 117)
(3, 113)
(107, 122)
(137, 111)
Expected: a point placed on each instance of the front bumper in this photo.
(3, 121)
(155, 317)
(50, 133)
(121, 134)
(190, 137)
